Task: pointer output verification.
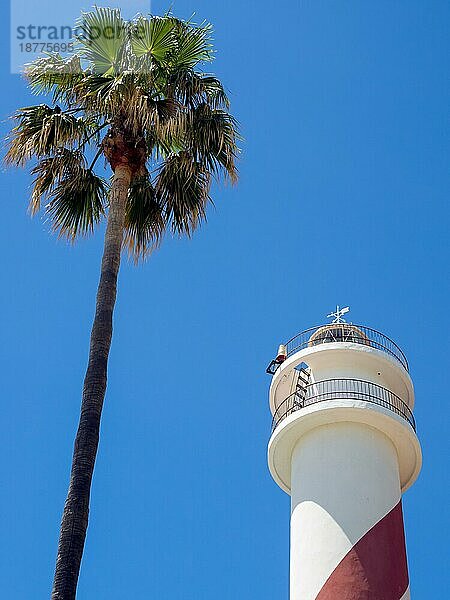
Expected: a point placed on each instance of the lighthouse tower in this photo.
(344, 447)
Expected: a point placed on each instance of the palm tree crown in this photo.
(138, 83)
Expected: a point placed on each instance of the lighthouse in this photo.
(344, 446)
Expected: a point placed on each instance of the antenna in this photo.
(337, 316)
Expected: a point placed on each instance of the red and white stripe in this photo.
(347, 534)
(375, 568)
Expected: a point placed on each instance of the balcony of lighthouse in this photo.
(341, 372)
(342, 389)
(340, 351)
(341, 333)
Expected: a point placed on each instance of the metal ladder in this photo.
(303, 378)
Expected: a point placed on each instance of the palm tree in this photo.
(132, 92)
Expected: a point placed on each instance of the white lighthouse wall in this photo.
(344, 480)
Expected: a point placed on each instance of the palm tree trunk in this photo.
(76, 509)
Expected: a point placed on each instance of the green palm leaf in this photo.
(213, 91)
(192, 89)
(154, 37)
(102, 39)
(54, 73)
(77, 203)
(193, 45)
(213, 140)
(144, 219)
(50, 170)
(42, 129)
(182, 187)
(164, 122)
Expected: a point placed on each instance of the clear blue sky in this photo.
(343, 199)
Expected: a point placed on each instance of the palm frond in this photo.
(163, 122)
(102, 36)
(213, 91)
(41, 129)
(182, 186)
(116, 98)
(77, 203)
(53, 73)
(212, 140)
(192, 89)
(153, 37)
(144, 220)
(193, 44)
(50, 170)
(164, 109)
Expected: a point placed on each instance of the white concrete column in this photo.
(347, 537)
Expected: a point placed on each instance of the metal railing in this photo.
(342, 389)
(345, 332)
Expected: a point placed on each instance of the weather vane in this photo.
(337, 316)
